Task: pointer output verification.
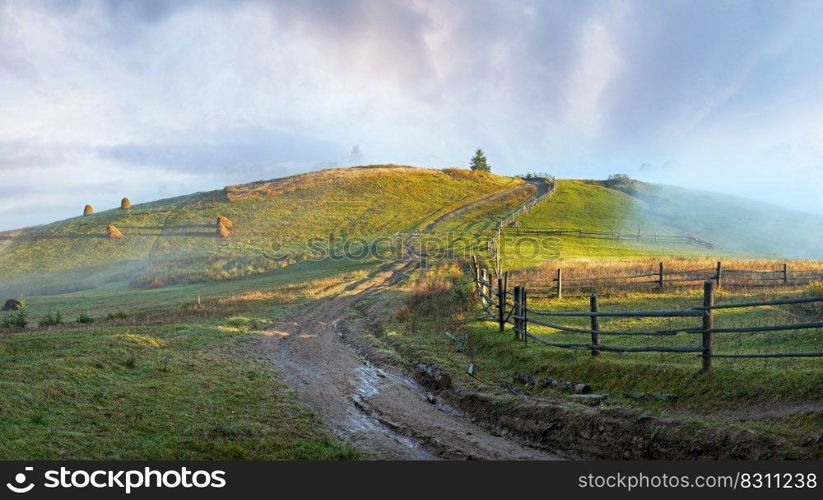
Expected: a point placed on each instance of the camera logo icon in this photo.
(20, 479)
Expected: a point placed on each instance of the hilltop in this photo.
(174, 240)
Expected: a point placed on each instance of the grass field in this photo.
(782, 396)
(605, 275)
(173, 241)
(736, 227)
(167, 369)
(163, 378)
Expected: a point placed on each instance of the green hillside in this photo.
(732, 225)
(174, 241)
(284, 221)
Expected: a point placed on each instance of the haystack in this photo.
(125, 203)
(88, 210)
(113, 233)
(225, 221)
(222, 232)
(12, 305)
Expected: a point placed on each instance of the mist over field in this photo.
(731, 223)
(103, 99)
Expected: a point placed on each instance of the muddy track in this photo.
(381, 411)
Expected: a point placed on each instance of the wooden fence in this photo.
(610, 235)
(511, 307)
(661, 279)
(492, 245)
(526, 207)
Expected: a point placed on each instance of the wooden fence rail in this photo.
(609, 235)
(564, 281)
(497, 306)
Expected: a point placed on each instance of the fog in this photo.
(104, 99)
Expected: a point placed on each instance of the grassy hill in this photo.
(174, 241)
(281, 222)
(733, 225)
(171, 353)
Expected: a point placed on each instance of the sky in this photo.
(151, 99)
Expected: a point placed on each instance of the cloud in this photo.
(185, 93)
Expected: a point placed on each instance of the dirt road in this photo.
(383, 412)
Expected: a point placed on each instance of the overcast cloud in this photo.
(105, 99)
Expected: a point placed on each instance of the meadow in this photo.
(174, 241)
(161, 374)
(779, 396)
(144, 347)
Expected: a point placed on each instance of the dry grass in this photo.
(222, 231)
(263, 189)
(679, 272)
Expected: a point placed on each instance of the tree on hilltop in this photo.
(479, 162)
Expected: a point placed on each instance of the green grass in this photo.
(736, 227)
(119, 297)
(158, 377)
(590, 206)
(173, 241)
(737, 391)
(173, 392)
(182, 382)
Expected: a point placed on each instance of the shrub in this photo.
(116, 315)
(618, 180)
(85, 318)
(52, 319)
(125, 204)
(17, 320)
(113, 233)
(225, 221)
(222, 232)
(88, 210)
(440, 297)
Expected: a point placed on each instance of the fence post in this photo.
(501, 304)
(484, 275)
(559, 283)
(525, 308)
(661, 275)
(785, 274)
(717, 276)
(708, 302)
(595, 325)
(518, 290)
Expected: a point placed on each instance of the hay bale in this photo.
(12, 305)
(222, 232)
(225, 221)
(88, 210)
(113, 233)
(125, 203)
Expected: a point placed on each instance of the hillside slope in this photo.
(174, 241)
(731, 224)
